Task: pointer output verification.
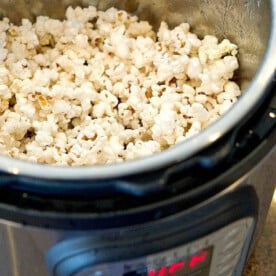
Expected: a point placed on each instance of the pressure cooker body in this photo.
(209, 230)
(194, 209)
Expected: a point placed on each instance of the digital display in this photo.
(196, 265)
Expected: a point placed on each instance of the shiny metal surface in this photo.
(250, 24)
(23, 248)
(262, 260)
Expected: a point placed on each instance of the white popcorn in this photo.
(3, 54)
(5, 92)
(26, 109)
(16, 125)
(61, 106)
(140, 149)
(101, 87)
(106, 96)
(4, 75)
(225, 106)
(194, 68)
(194, 129)
(200, 113)
(21, 69)
(232, 89)
(44, 138)
(120, 43)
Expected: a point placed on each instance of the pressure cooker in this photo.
(194, 209)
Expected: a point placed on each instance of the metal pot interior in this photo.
(249, 24)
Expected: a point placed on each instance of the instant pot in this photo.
(194, 209)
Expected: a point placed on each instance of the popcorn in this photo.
(101, 87)
(5, 92)
(194, 68)
(21, 69)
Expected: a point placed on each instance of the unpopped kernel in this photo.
(103, 87)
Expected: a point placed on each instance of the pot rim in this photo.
(251, 96)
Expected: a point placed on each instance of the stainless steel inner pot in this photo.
(249, 24)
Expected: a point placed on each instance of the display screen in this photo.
(196, 265)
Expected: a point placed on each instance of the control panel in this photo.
(216, 254)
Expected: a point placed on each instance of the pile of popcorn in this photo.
(101, 87)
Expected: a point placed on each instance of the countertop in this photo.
(263, 259)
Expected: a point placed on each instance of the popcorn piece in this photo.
(194, 68)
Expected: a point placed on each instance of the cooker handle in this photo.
(177, 174)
